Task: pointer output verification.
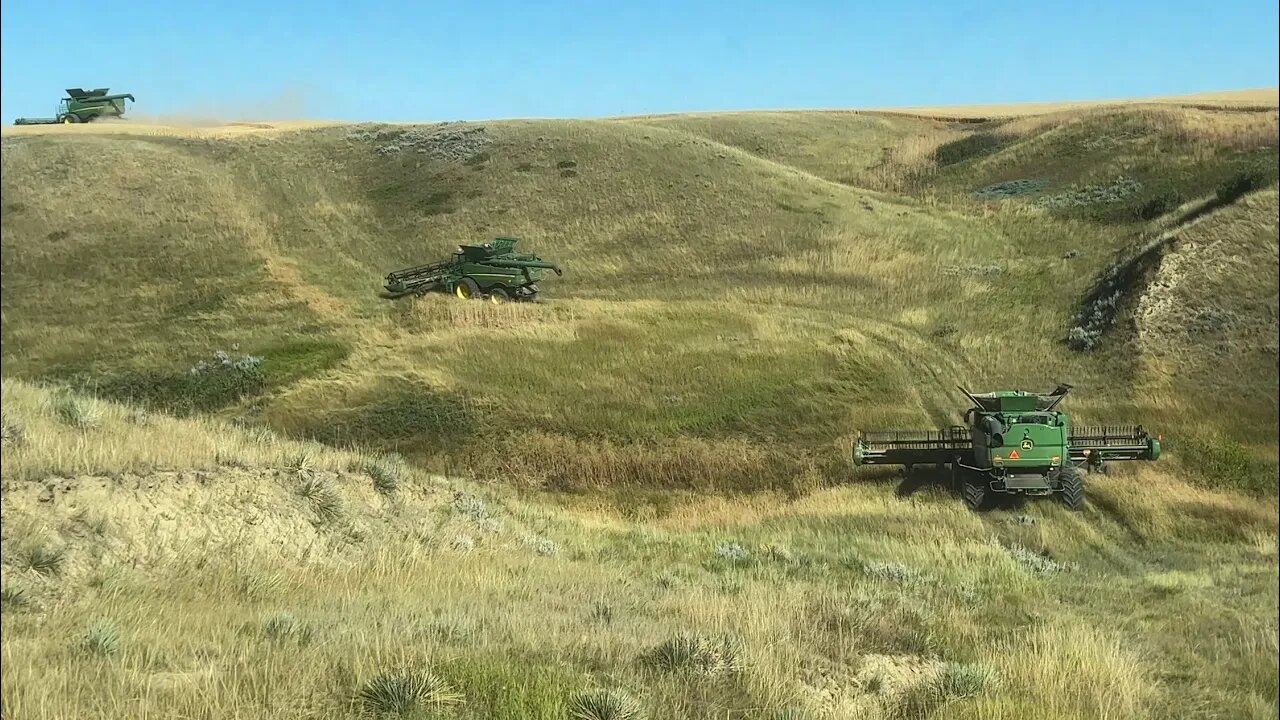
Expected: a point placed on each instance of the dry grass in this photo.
(181, 127)
(1252, 98)
(743, 292)
(53, 447)
(216, 592)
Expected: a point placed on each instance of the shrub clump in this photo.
(1038, 563)
(604, 705)
(14, 596)
(471, 506)
(45, 560)
(12, 433)
(322, 497)
(102, 638)
(284, 626)
(960, 680)
(386, 473)
(1097, 314)
(732, 552)
(1087, 195)
(1011, 188)
(542, 546)
(209, 384)
(77, 412)
(696, 654)
(893, 572)
(401, 693)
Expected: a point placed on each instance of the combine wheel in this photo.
(69, 119)
(467, 289)
(1072, 485)
(975, 492)
(498, 296)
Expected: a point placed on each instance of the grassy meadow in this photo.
(239, 483)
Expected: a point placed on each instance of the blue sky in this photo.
(398, 60)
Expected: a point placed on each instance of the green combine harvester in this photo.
(82, 106)
(494, 271)
(1013, 443)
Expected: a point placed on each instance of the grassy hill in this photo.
(771, 282)
(743, 292)
(182, 567)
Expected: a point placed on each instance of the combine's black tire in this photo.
(69, 119)
(975, 491)
(1072, 488)
(467, 289)
(499, 295)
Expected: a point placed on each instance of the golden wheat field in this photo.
(239, 483)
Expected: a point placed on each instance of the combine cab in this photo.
(1013, 442)
(491, 270)
(82, 106)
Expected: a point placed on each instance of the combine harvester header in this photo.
(491, 270)
(82, 106)
(1013, 442)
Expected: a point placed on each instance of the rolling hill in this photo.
(662, 444)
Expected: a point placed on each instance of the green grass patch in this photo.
(291, 361)
(971, 146)
(1225, 463)
(211, 383)
(397, 415)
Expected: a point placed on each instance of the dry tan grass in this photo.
(178, 127)
(234, 597)
(729, 318)
(1253, 98)
(128, 440)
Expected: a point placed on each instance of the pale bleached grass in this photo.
(729, 317)
(192, 570)
(1250, 98)
(181, 127)
(126, 441)
(1065, 670)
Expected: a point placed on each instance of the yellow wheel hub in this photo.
(462, 291)
(497, 299)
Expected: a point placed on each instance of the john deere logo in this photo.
(1027, 444)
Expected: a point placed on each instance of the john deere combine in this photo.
(490, 270)
(1013, 442)
(82, 106)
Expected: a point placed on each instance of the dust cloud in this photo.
(286, 104)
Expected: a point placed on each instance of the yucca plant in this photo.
(46, 560)
(102, 638)
(401, 692)
(385, 473)
(322, 497)
(604, 705)
(697, 654)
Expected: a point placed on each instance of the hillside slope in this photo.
(155, 566)
(237, 482)
(739, 295)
